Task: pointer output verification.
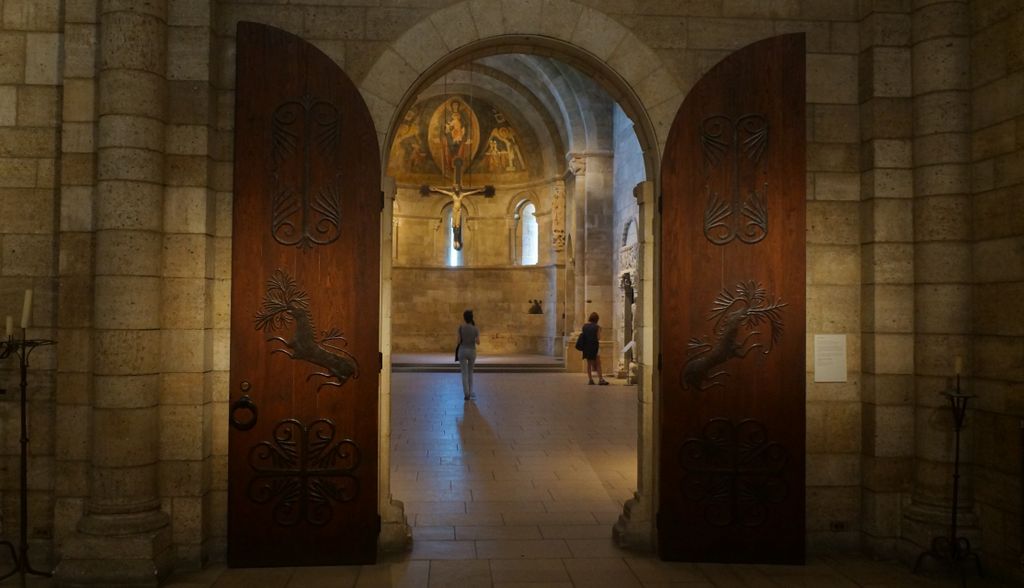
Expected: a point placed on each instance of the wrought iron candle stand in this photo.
(954, 550)
(22, 348)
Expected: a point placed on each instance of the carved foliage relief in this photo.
(737, 203)
(558, 216)
(306, 208)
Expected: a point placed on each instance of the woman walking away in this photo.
(591, 334)
(469, 338)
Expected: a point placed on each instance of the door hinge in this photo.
(382, 200)
(380, 525)
(660, 199)
(380, 361)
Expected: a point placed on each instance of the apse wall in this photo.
(429, 295)
(429, 304)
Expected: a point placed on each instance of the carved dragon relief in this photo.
(736, 317)
(285, 303)
(305, 215)
(722, 139)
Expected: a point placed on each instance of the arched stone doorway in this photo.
(648, 93)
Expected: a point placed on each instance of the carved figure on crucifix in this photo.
(457, 193)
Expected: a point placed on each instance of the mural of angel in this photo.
(503, 153)
(409, 152)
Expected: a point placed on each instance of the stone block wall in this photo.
(887, 271)
(995, 366)
(429, 301)
(30, 169)
(195, 287)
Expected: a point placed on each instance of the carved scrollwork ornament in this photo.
(734, 471)
(303, 471)
(733, 149)
(305, 212)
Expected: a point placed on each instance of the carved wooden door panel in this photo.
(731, 485)
(304, 310)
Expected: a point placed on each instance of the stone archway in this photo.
(633, 76)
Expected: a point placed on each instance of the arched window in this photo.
(527, 233)
(453, 256)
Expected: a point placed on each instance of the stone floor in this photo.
(520, 488)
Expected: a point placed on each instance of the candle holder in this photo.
(22, 348)
(952, 549)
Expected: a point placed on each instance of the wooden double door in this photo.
(305, 360)
(305, 299)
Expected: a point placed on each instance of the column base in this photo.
(395, 534)
(635, 527)
(116, 551)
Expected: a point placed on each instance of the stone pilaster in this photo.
(575, 185)
(942, 259)
(635, 526)
(395, 534)
(887, 252)
(124, 538)
(598, 217)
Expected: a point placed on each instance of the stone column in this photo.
(562, 327)
(942, 258)
(123, 537)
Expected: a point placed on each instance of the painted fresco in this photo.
(437, 132)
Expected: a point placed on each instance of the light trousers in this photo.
(466, 360)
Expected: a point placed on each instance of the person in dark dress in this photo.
(591, 349)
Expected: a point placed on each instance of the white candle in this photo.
(26, 310)
(9, 330)
(958, 365)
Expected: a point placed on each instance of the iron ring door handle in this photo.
(242, 404)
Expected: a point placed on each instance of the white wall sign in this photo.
(830, 358)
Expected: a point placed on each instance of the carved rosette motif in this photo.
(304, 472)
(306, 211)
(733, 150)
(734, 471)
(737, 318)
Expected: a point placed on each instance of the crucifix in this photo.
(457, 192)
